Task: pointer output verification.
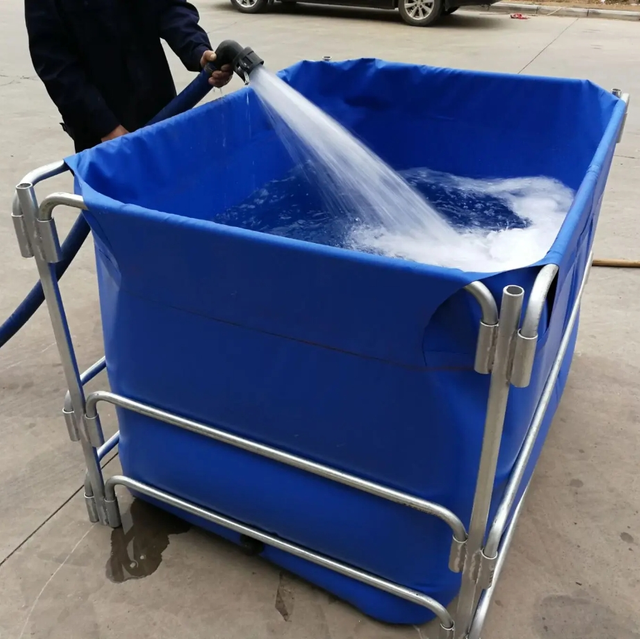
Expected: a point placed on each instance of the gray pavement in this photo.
(574, 570)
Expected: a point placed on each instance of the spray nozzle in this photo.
(242, 60)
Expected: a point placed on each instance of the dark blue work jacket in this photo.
(102, 61)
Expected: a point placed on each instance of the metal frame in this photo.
(505, 351)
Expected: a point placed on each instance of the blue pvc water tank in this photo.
(357, 361)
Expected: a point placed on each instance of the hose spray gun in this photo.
(242, 60)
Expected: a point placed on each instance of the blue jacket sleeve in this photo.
(78, 100)
(179, 27)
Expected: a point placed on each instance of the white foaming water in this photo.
(541, 202)
(392, 217)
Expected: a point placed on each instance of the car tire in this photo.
(420, 13)
(250, 6)
(448, 12)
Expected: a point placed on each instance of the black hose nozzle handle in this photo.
(243, 60)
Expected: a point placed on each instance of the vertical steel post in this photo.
(509, 321)
(29, 208)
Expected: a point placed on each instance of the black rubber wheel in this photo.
(448, 12)
(420, 13)
(250, 6)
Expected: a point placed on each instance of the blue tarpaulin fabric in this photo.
(357, 361)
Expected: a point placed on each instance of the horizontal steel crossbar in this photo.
(446, 620)
(338, 476)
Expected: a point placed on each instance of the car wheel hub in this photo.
(248, 4)
(418, 9)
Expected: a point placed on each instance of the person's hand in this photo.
(219, 78)
(118, 132)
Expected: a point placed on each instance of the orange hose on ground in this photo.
(617, 263)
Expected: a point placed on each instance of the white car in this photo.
(417, 13)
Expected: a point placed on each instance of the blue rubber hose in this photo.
(74, 240)
(187, 99)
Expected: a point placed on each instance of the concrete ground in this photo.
(574, 570)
